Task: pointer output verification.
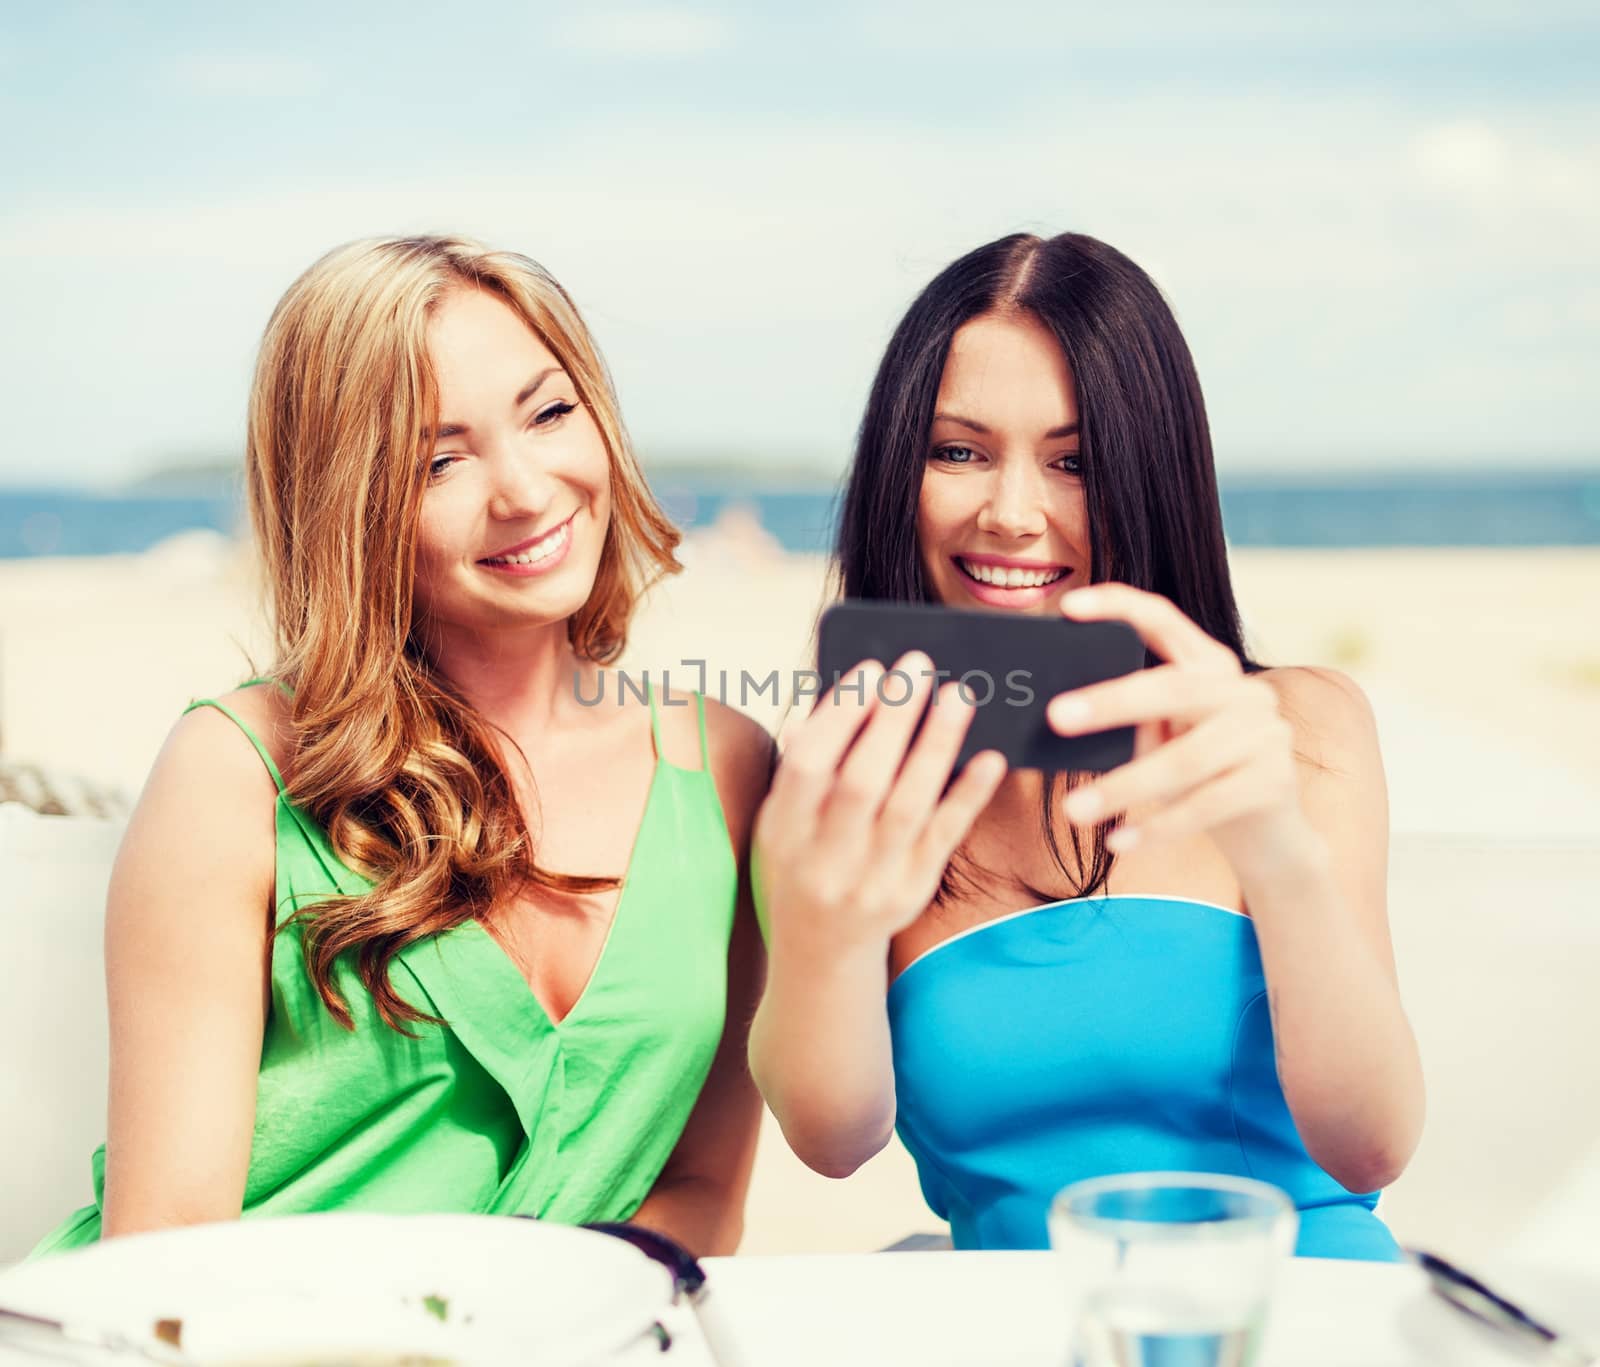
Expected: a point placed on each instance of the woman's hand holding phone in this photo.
(855, 835)
(1212, 753)
(847, 850)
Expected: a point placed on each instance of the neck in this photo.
(522, 681)
(1018, 789)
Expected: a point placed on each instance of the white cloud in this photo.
(1466, 155)
(953, 26)
(1344, 276)
(1510, 196)
(243, 75)
(645, 33)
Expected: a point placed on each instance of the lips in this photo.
(1007, 572)
(548, 540)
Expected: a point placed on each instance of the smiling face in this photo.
(518, 500)
(1001, 518)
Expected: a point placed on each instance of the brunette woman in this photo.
(1199, 976)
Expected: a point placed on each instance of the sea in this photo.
(1553, 508)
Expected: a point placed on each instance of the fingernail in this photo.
(1067, 714)
(1123, 838)
(1085, 804)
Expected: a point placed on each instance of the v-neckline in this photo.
(499, 951)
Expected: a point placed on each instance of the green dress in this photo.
(502, 1110)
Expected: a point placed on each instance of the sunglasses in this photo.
(688, 1277)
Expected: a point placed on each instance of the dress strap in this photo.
(705, 746)
(265, 679)
(250, 735)
(655, 721)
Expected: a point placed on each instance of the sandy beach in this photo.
(1499, 650)
(1483, 667)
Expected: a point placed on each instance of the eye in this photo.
(1071, 464)
(955, 455)
(438, 465)
(553, 413)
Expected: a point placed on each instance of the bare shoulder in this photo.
(740, 746)
(209, 806)
(1343, 791)
(742, 756)
(207, 744)
(1333, 721)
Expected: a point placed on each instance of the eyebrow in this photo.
(456, 429)
(1069, 429)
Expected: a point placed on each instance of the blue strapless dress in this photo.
(1096, 1036)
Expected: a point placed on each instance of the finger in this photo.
(818, 744)
(1160, 624)
(1165, 693)
(953, 818)
(922, 780)
(1149, 736)
(1173, 770)
(867, 774)
(1240, 791)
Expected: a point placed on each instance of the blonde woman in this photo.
(410, 925)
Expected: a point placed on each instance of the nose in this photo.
(519, 487)
(1014, 506)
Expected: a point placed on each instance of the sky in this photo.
(1379, 224)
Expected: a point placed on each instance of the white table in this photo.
(1004, 1310)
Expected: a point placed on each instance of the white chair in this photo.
(53, 876)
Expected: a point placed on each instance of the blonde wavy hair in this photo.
(408, 780)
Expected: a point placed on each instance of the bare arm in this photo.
(1282, 771)
(1346, 1055)
(820, 1050)
(699, 1198)
(186, 973)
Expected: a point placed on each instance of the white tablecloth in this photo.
(1004, 1310)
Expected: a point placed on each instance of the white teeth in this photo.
(1011, 578)
(540, 550)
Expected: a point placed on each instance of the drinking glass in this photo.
(1170, 1269)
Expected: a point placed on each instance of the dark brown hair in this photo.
(1154, 517)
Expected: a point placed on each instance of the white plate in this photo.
(464, 1288)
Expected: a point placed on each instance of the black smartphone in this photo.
(1009, 665)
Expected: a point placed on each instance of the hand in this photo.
(851, 843)
(1212, 753)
